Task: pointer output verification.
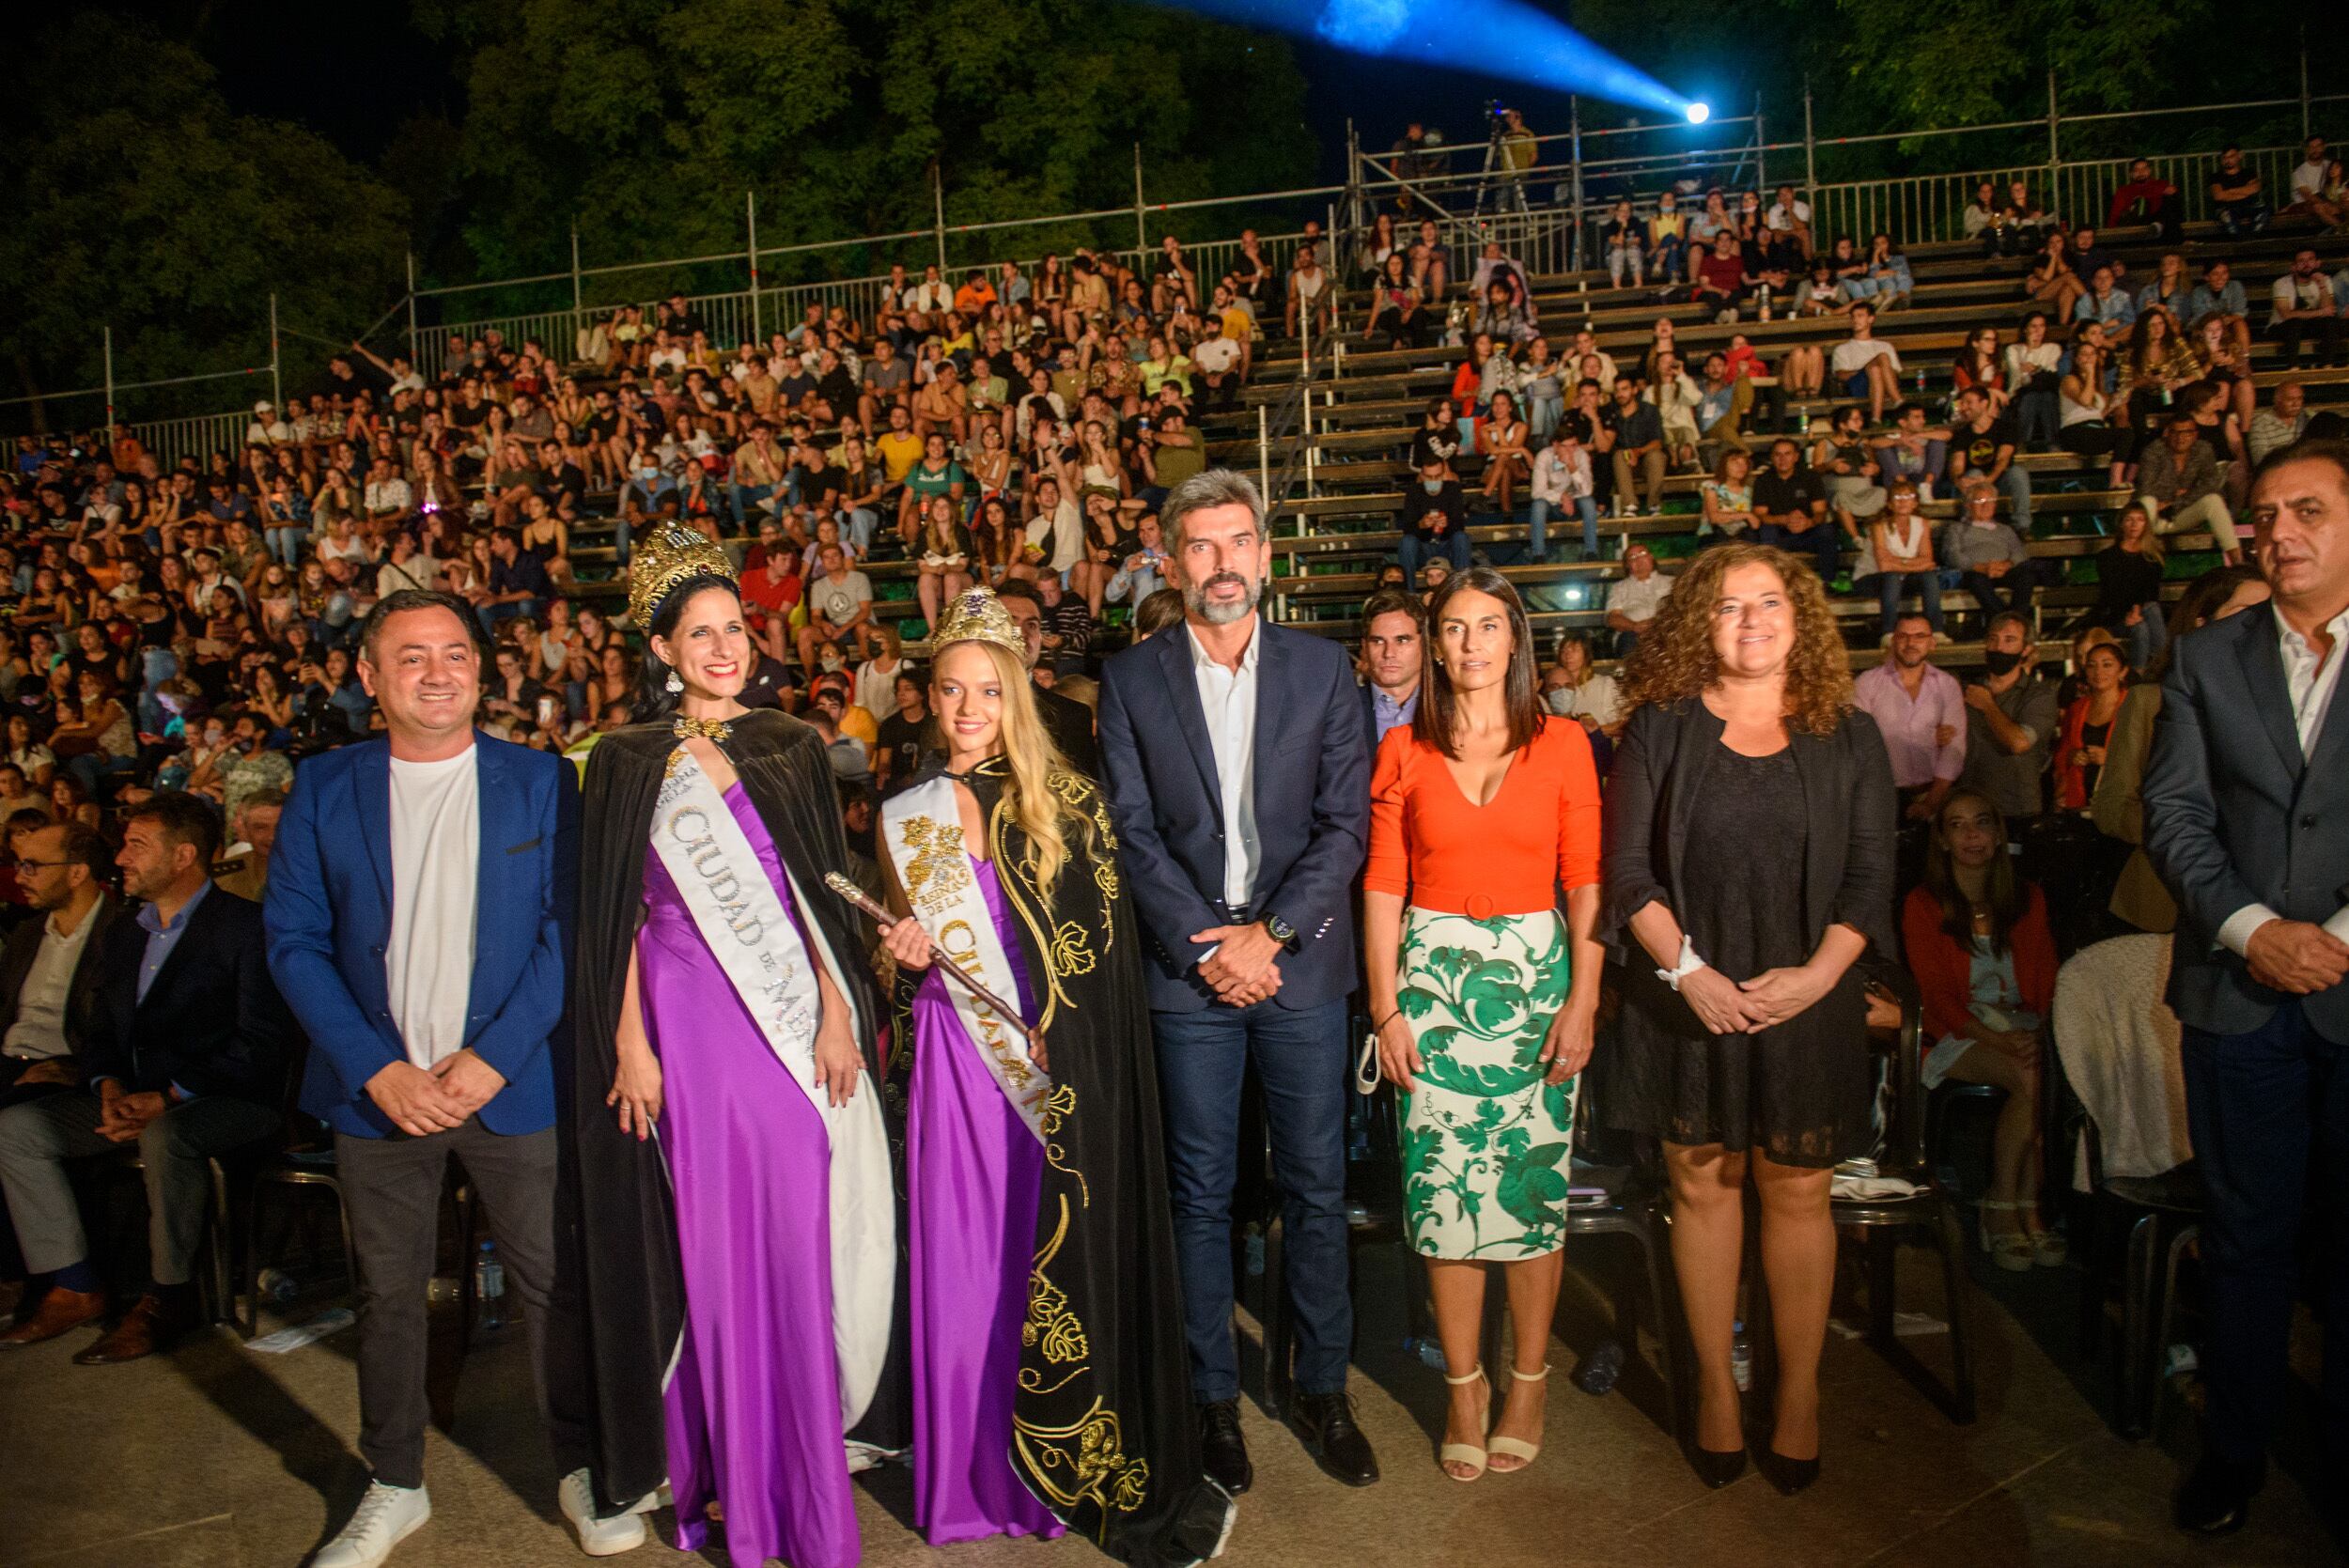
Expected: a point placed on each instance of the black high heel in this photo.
(1714, 1467)
(1789, 1476)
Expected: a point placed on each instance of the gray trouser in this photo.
(37, 1139)
(392, 1187)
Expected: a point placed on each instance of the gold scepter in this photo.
(881, 916)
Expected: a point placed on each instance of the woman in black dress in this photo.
(1749, 858)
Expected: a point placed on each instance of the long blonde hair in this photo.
(1031, 759)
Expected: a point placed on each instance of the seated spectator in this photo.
(1866, 367)
(1637, 451)
(1990, 558)
(2281, 422)
(186, 1059)
(2304, 308)
(839, 608)
(1914, 450)
(2179, 485)
(2171, 288)
(2053, 282)
(243, 868)
(2105, 302)
(1895, 555)
(2146, 198)
(2235, 194)
(1790, 500)
(1562, 478)
(1983, 445)
(1978, 943)
(1578, 689)
(51, 969)
(2307, 186)
(2129, 587)
(1633, 599)
(2217, 294)
(1434, 521)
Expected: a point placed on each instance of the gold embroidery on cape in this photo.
(1052, 1329)
(1058, 1109)
(1084, 1460)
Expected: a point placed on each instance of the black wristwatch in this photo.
(1280, 930)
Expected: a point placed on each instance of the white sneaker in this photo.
(622, 1532)
(385, 1516)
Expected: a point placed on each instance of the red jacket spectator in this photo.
(1944, 969)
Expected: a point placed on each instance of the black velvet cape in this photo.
(626, 1226)
(1103, 1429)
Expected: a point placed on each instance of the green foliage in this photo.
(645, 121)
(137, 200)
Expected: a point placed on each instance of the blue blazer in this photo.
(1312, 802)
(329, 918)
(2235, 814)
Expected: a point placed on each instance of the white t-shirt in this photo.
(2298, 293)
(2307, 180)
(436, 857)
(1637, 600)
(1854, 354)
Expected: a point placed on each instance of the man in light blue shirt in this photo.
(2217, 291)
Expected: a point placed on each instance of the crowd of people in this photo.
(1109, 888)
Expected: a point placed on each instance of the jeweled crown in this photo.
(668, 556)
(978, 616)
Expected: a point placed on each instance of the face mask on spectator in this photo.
(1999, 662)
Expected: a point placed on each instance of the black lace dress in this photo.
(1798, 1091)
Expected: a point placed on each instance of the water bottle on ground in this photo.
(277, 1287)
(1741, 1358)
(488, 1286)
(1600, 1368)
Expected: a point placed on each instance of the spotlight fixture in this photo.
(1699, 112)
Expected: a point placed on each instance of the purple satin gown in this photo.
(974, 1175)
(752, 1406)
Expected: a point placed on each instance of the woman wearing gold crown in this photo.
(733, 1171)
(1052, 1389)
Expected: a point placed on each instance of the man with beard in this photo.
(1238, 772)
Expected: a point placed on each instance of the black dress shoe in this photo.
(1222, 1451)
(1326, 1422)
(2216, 1497)
(1715, 1467)
(1789, 1476)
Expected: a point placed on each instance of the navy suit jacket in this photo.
(2235, 815)
(1311, 804)
(329, 917)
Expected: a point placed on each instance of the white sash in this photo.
(923, 829)
(741, 917)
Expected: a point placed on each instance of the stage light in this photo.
(1699, 112)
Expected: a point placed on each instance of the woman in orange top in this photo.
(1481, 812)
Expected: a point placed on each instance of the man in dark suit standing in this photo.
(1238, 772)
(186, 1057)
(2243, 821)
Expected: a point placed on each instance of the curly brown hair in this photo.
(1675, 661)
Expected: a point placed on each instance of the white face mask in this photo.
(1433, 486)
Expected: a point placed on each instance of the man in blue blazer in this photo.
(1238, 768)
(419, 916)
(2245, 820)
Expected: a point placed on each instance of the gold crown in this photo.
(668, 556)
(978, 616)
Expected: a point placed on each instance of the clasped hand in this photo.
(1743, 1007)
(422, 1103)
(1241, 970)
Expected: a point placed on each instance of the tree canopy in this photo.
(137, 200)
(648, 121)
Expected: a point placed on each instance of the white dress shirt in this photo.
(39, 1033)
(1228, 697)
(2310, 678)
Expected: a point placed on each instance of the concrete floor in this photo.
(218, 1457)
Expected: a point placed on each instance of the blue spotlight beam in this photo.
(1492, 37)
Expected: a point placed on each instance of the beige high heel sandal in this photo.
(1512, 1448)
(1467, 1453)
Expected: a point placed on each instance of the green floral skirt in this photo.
(1486, 1142)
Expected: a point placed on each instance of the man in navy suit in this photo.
(1238, 772)
(419, 914)
(2244, 819)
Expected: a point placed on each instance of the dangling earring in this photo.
(676, 685)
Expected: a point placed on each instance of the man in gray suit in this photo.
(2246, 822)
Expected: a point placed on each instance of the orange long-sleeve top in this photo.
(1432, 844)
